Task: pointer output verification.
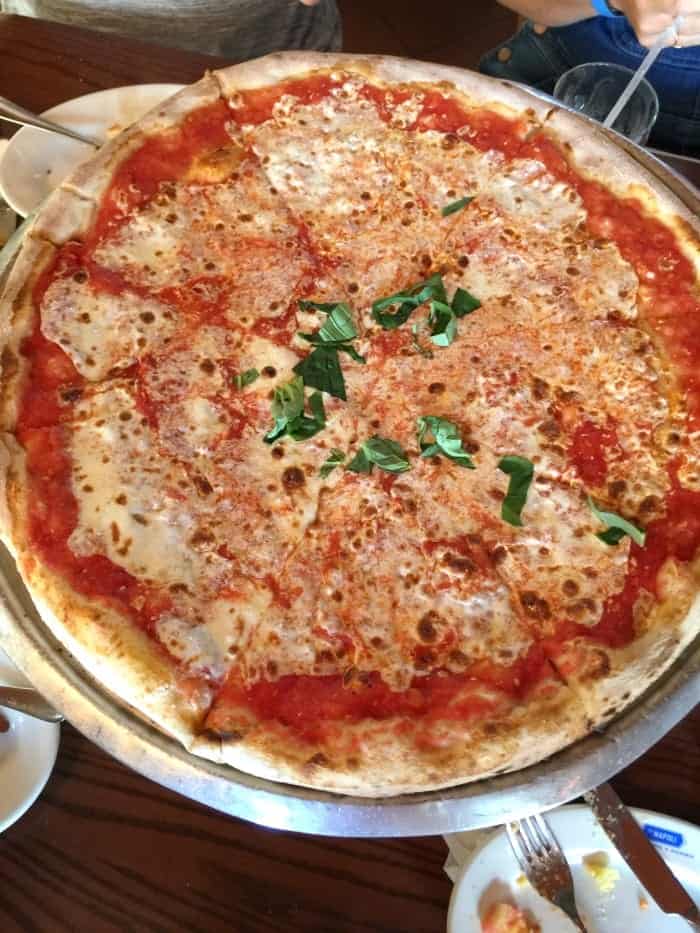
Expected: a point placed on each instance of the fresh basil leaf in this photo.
(443, 324)
(338, 327)
(521, 472)
(388, 455)
(446, 440)
(617, 528)
(408, 301)
(287, 404)
(241, 380)
(321, 370)
(334, 459)
(464, 303)
(360, 462)
(351, 352)
(304, 427)
(455, 206)
(612, 535)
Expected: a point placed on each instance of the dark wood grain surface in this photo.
(106, 851)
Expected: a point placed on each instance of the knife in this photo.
(641, 856)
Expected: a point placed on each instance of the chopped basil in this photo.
(408, 301)
(288, 412)
(464, 303)
(241, 380)
(287, 404)
(334, 459)
(443, 324)
(321, 370)
(521, 472)
(443, 314)
(303, 427)
(617, 528)
(339, 326)
(446, 440)
(380, 451)
(360, 463)
(455, 206)
(351, 352)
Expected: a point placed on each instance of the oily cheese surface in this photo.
(369, 627)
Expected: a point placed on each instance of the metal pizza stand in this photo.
(120, 731)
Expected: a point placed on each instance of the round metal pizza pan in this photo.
(102, 718)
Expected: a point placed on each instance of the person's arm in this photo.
(648, 18)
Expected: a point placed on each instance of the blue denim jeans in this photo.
(540, 59)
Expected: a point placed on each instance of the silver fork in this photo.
(544, 864)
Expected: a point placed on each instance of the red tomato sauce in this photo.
(306, 704)
(164, 157)
(590, 450)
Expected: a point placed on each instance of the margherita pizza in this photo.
(350, 415)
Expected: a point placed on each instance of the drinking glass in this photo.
(594, 88)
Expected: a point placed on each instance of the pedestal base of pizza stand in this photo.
(122, 733)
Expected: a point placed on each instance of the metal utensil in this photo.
(641, 856)
(13, 113)
(544, 864)
(26, 700)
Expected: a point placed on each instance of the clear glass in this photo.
(594, 89)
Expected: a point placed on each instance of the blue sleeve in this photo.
(603, 8)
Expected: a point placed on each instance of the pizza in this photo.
(350, 422)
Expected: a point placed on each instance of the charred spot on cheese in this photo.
(293, 478)
(534, 606)
(427, 626)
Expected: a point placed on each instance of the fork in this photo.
(544, 864)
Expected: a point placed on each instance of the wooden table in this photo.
(106, 850)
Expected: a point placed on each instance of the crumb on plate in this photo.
(605, 877)
(505, 918)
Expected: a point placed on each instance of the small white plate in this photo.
(493, 875)
(35, 161)
(27, 753)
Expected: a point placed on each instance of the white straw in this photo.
(649, 60)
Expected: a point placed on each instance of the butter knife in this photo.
(641, 856)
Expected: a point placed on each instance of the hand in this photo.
(309, 2)
(649, 18)
(689, 31)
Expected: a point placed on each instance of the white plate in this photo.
(36, 161)
(493, 875)
(27, 754)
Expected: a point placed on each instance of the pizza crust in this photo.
(481, 90)
(389, 763)
(595, 156)
(91, 179)
(64, 216)
(119, 656)
(607, 680)
(17, 321)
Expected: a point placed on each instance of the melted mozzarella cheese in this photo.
(130, 498)
(101, 331)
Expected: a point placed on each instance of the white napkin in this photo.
(462, 847)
